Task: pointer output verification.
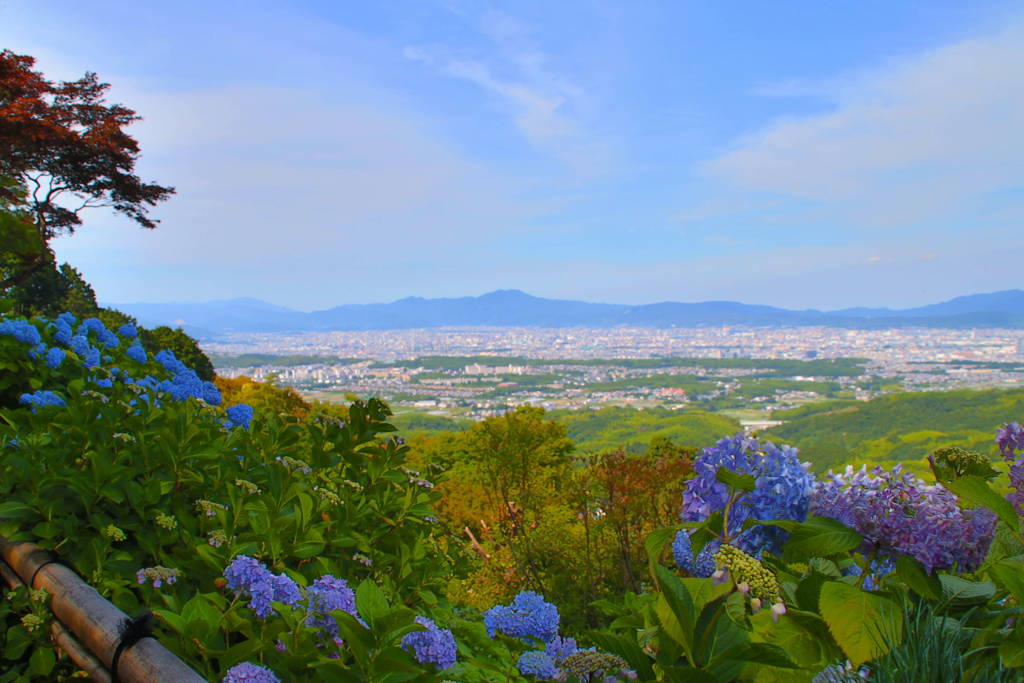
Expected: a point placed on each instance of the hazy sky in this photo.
(801, 154)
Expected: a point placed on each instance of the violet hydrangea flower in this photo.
(434, 646)
(327, 594)
(247, 672)
(899, 514)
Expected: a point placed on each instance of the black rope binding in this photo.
(130, 632)
(32, 581)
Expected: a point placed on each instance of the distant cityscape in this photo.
(576, 368)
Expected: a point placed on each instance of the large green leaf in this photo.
(740, 482)
(1009, 575)
(865, 625)
(820, 537)
(973, 491)
(912, 573)
(961, 592)
(675, 609)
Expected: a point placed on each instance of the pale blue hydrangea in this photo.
(434, 646)
(528, 616)
(247, 672)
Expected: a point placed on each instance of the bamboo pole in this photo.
(94, 620)
(62, 638)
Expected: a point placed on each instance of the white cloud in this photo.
(903, 143)
(543, 105)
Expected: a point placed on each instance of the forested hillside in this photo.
(904, 426)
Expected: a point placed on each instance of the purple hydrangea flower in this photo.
(559, 648)
(782, 491)
(247, 672)
(434, 646)
(899, 514)
(1010, 439)
(703, 565)
(248, 576)
(528, 616)
(327, 594)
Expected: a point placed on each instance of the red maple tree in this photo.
(68, 148)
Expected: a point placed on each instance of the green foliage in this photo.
(614, 427)
(898, 427)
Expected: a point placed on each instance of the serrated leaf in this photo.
(962, 592)
(740, 482)
(974, 491)
(865, 625)
(820, 537)
(912, 573)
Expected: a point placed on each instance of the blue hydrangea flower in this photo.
(682, 551)
(211, 394)
(80, 345)
(559, 648)
(22, 330)
(92, 358)
(528, 616)
(246, 672)
(64, 332)
(54, 357)
(41, 399)
(128, 331)
(538, 664)
(239, 416)
(37, 350)
(67, 318)
(136, 352)
(170, 362)
(104, 382)
(434, 646)
(782, 490)
(327, 594)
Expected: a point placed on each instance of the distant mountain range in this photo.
(513, 308)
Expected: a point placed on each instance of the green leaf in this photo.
(973, 491)
(370, 602)
(675, 609)
(1011, 653)
(654, 544)
(962, 593)
(42, 660)
(627, 649)
(14, 509)
(820, 537)
(740, 482)
(912, 572)
(1009, 575)
(865, 625)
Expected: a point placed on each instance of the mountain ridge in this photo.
(515, 308)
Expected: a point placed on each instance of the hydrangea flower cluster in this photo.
(588, 665)
(327, 594)
(247, 672)
(434, 646)
(239, 416)
(528, 616)
(22, 331)
(752, 579)
(1010, 439)
(899, 514)
(249, 577)
(42, 398)
(782, 491)
(157, 576)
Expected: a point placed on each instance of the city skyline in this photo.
(328, 154)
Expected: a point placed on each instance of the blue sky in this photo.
(800, 154)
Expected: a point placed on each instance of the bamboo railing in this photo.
(86, 626)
